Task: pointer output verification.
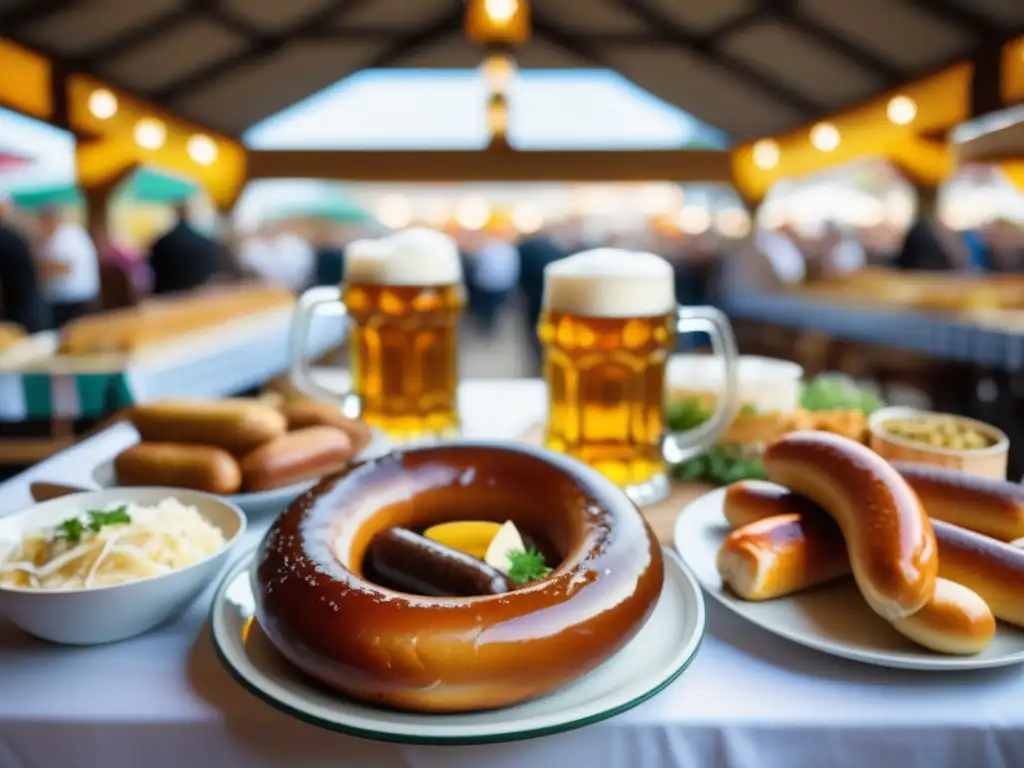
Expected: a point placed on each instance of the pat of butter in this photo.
(506, 540)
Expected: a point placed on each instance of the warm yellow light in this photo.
(901, 110)
(102, 104)
(825, 137)
(766, 154)
(497, 116)
(501, 11)
(436, 213)
(472, 213)
(150, 133)
(694, 220)
(394, 211)
(202, 149)
(498, 70)
(733, 223)
(527, 218)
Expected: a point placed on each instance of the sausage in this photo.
(304, 413)
(991, 568)
(237, 426)
(777, 556)
(178, 465)
(992, 507)
(888, 536)
(407, 562)
(293, 457)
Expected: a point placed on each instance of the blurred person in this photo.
(295, 260)
(785, 257)
(68, 266)
(183, 258)
(495, 274)
(845, 252)
(128, 261)
(21, 297)
(1005, 243)
(929, 244)
(535, 253)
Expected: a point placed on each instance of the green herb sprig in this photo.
(720, 465)
(73, 528)
(526, 566)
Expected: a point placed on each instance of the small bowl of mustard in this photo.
(942, 439)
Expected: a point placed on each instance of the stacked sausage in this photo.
(927, 546)
(228, 446)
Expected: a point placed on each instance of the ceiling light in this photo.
(150, 133)
(498, 70)
(825, 137)
(394, 211)
(501, 11)
(901, 110)
(202, 149)
(766, 154)
(694, 220)
(473, 213)
(527, 218)
(102, 104)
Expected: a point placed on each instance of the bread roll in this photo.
(748, 501)
(956, 621)
(992, 569)
(888, 536)
(175, 465)
(305, 454)
(778, 556)
(161, 320)
(992, 507)
(235, 425)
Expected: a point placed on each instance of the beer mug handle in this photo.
(680, 446)
(325, 300)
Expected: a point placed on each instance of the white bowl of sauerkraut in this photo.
(104, 566)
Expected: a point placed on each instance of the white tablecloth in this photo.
(750, 700)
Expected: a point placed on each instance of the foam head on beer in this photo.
(414, 256)
(610, 282)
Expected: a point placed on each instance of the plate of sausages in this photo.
(897, 565)
(258, 456)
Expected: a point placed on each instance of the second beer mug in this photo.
(403, 297)
(608, 327)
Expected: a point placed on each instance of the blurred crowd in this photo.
(52, 270)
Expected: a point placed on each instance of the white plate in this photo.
(654, 658)
(255, 504)
(832, 618)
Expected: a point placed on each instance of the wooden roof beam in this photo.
(405, 43)
(29, 13)
(257, 51)
(702, 48)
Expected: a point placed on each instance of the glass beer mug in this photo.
(608, 327)
(403, 298)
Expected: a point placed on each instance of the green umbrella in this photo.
(56, 195)
(335, 206)
(147, 186)
(144, 186)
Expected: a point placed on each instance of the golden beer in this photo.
(608, 327)
(403, 296)
(404, 348)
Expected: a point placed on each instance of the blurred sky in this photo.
(435, 109)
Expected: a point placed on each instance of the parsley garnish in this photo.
(73, 528)
(526, 566)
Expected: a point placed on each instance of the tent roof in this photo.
(748, 67)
